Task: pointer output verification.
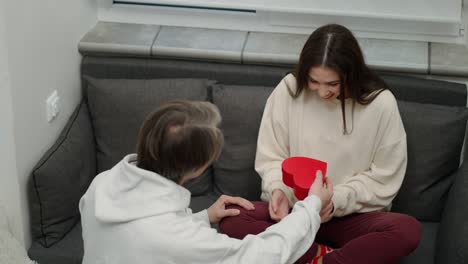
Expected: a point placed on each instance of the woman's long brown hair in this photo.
(336, 48)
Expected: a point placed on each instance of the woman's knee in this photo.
(228, 225)
(409, 231)
(238, 226)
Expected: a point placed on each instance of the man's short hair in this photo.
(179, 138)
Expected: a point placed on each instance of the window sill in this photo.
(124, 39)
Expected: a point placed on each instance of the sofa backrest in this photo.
(426, 91)
(404, 87)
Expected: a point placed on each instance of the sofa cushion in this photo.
(118, 108)
(60, 178)
(69, 250)
(241, 108)
(435, 137)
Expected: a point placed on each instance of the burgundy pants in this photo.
(368, 238)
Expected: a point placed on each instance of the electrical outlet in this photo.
(52, 106)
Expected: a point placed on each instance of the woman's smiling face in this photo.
(325, 81)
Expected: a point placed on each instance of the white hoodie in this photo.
(130, 215)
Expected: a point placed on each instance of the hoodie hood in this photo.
(126, 193)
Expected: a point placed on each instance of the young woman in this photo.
(334, 108)
(137, 212)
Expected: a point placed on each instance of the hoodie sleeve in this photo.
(283, 242)
(273, 142)
(202, 217)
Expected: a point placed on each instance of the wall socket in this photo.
(52, 106)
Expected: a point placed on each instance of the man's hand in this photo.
(218, 211)
(326, 214)
(278, 206)
(324, 191)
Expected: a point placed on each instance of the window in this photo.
(425, 20)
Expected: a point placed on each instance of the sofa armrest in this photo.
(60, 178)
(452, 238)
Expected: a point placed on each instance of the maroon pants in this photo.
(376, 237)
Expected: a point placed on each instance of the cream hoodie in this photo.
(130, 215)
(366, 167)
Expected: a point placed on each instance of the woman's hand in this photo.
(218, 211)
(278, 206)
(324, 191)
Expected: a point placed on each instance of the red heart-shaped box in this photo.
(299, 174)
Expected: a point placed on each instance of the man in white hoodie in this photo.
(137, 212)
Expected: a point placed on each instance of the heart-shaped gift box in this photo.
(299, 174)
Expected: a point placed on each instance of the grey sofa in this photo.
(118, 92)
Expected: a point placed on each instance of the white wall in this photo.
(9, 190)
(41, 42)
